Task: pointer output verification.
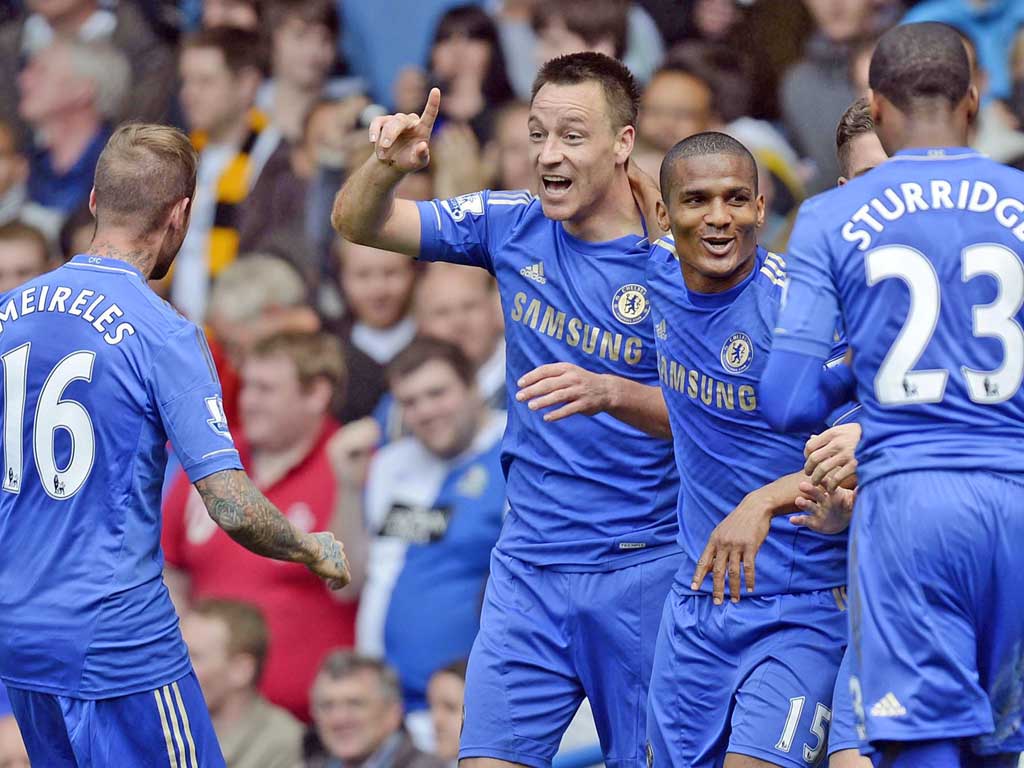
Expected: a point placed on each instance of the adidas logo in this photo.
(535, 272)
(661, 329)
(888, 706)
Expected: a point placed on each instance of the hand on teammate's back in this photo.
(403, 140)
(830, 456)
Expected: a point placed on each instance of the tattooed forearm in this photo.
(245, 514)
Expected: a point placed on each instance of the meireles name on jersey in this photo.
(911, 197)
(88, 305)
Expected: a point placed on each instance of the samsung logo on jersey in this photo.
(591, 339)
(86, 304)
(697, 385)
(893, 204)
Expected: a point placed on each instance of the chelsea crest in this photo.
(737, 353)
(630, 304)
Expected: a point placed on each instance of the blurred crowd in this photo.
(366, 392)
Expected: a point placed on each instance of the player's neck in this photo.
(923, 134)
(615, 215)
(123, 249)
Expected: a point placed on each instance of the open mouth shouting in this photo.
(555, 185)
(717, 245)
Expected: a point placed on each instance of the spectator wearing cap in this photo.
(357, 711)
(288, 382)
(434, 507)
(227, 643)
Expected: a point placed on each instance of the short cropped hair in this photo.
(247, 629)
(322, 13)
(591, 20)
(142, 172)
(316, 356)
(241, 48)
(621, 90)
(340, 665)
(19, 231)
(702, 145)
(913, 62)
(425, 349)
(856, 121)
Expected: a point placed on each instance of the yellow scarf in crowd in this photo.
(232, 189)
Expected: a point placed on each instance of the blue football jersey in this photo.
(98, 373)
(585, 492)
(712, 349)
(922, 257)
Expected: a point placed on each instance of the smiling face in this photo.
(713, 210)
(575, 149)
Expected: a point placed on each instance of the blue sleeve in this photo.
(467, 229)
(188, 397)
(798, 393)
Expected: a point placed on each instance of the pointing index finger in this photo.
(431, 109)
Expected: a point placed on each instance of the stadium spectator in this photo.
(458, 305)
(121, 25)
(23, 254)
(12, 748)
(357, 711)
(288, 382)
(13, 173)
(815, 92)
(76, 233)
(377, 288)
(433, 510)
(240, 14)
(445, 695)
(227, 642)
(221, 70)
(303, 37)
(616, 28)
(716, 20)
(508, 154)
(71, 91)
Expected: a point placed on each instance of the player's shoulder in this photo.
(771, 271)
(492, 203)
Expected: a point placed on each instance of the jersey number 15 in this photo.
(52, 414)
(896, 383)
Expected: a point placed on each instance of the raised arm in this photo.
(365, 209)
(245, 514)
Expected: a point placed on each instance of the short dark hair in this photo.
(856, 121)
(591, 20)
(241, 48)
(322, 13)
(425, 349)
(342, 664)
(925, 61)
(621, 90)
(702, 145)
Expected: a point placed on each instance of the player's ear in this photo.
(973, 102)
(624, 141)
(663, 220)
(92, 202)
(841, 181)
(874, 107)
(759, 202)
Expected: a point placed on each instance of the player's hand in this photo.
(576, 389)
(824, 511)
(329, 561)
(403, 140)
(830, 456)
(733, 546)
(647, 195)
(350, 450)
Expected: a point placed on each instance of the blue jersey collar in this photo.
(937, 153)
(106, 264)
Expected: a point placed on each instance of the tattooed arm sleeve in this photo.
(245, 514)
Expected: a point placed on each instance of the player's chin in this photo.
(559, 207)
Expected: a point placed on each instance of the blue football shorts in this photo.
(169, 726)
(754, 678)
(547, 639)
(937, 608)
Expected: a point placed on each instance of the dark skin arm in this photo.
(245, 514)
